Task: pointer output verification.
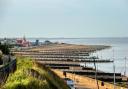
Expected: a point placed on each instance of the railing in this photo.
(5, 70)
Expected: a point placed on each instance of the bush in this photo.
(4, 48)
(1, 61)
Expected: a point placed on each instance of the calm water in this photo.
(119, 45)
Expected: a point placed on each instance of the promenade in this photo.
(82, 82)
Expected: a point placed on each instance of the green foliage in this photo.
(1, 54)
(22, 80)
(4, 48)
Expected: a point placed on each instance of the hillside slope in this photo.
(31, 75)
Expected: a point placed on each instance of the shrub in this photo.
(1, 61)
(4, 48)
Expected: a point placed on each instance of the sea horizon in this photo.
(58, 37)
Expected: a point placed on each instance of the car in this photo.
(70, 83)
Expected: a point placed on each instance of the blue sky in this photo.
(64, 18)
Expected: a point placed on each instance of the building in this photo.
(37, 42)
(22, 42)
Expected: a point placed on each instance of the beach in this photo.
(63, 55)
(119, 45)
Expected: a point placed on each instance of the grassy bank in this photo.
(30, 76)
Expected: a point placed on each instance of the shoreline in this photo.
(52, 52)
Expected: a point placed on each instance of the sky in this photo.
(64, 18)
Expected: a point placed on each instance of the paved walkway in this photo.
(82, 82)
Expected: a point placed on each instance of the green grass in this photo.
(21, 79)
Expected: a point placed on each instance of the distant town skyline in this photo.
(63, 18)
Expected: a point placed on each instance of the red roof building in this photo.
(22, 42)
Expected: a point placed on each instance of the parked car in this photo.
(70, 83)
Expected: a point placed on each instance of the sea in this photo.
(118, 51)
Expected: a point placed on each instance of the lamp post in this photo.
(96, 74)
(125, 66)
(114, 70)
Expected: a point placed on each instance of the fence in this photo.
(5, 70)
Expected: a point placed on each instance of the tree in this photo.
(5, 49)
(1, 61)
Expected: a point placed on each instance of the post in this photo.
(125, 67)
(114, 70)
(114, 76)
(96, 74)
